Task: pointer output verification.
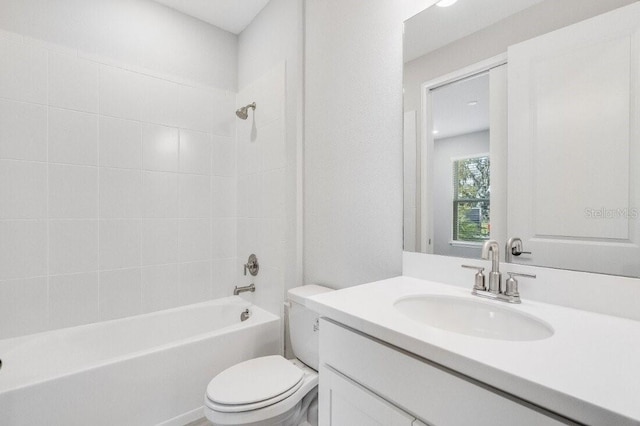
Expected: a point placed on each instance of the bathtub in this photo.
(145, 370)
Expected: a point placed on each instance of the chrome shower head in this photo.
(243, 112)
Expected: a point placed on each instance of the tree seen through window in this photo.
(472, 192)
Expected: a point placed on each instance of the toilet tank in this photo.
(303, 324)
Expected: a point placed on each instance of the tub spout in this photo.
(250, 288)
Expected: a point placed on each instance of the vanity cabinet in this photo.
(367, 382)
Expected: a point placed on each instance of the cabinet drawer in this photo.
(425, 390)
(345, 403)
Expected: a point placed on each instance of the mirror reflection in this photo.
(461, 167)
(522, 126)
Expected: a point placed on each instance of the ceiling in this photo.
(452, 114)
(230, 15)
(436, 26)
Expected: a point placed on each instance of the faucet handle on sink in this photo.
(478, 284)
(511, 294)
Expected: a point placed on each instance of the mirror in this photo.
(520, 122)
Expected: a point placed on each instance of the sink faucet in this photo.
(491, 251)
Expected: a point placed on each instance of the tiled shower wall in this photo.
(117, 189)
(261, 211)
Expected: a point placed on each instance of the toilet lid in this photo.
(253, 381)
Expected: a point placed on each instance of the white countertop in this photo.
(588, 371)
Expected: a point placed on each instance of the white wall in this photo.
(274, 39)
(110, 178)
(353, 141)
(445, 150)
(138, 33)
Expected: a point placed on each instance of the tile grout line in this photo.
(98, 313)
(47, 192)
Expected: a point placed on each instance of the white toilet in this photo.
(271, 390)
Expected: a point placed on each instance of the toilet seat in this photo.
(238, 408)
(254, 384)
(277, 407)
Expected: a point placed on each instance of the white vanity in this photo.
(384, 364)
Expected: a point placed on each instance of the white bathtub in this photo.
(145, 370)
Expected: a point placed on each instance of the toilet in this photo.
(271, 390)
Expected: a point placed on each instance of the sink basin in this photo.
(473, 318)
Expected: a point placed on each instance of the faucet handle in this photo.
(519, 274)
(478, 283)
(511, 294)
(477, 268)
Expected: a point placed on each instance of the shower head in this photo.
(243, 112)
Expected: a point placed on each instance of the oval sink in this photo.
(473, 318)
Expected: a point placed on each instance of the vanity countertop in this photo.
(588, 371)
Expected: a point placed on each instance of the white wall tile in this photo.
(271, 146)
(73, 137)
(271, 242)
(224, 156)
(23, 306)
(243, 195)
(273, 199)
(224, 277)
(23, 249)
(120, 143)
(119, 244)
(195, 239)
(73, 299)
(160, 101)
(195, 152)
(269, 94)
(224, 238)
(160, 148)
(23, 72)
(269, 290)
(23, 189)
(195, 282)
(73, 246)
(73, 83)
(120, 293)
(224, 113)
(120, 193)
(160, 287)
(195, 196)
(159, 241)
(196, 108)
(120, 93)
(224, 197)
(102, 184)
(73, 192)
(254, 193)
(159, 194)
(23, 131)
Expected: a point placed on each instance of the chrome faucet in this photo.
(250, 288)
(491, 251)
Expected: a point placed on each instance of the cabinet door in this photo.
(345, 403)
(574, 145)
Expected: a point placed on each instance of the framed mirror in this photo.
(521, 122)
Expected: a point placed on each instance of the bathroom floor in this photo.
(201, 422)
(205, 422)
